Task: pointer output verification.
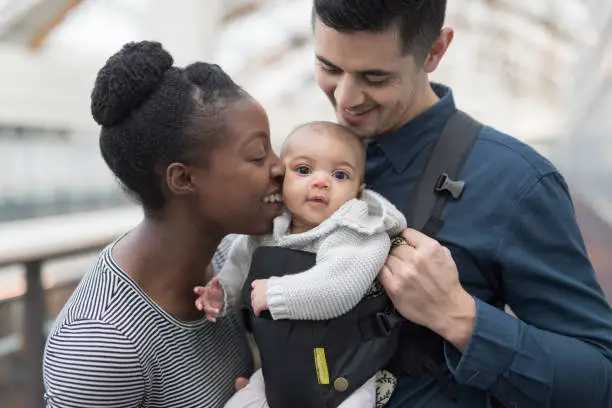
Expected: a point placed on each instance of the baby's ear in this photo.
(360, 191)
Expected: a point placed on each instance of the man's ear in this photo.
(179, 179)
(439, 49)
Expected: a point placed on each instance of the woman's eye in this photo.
(260, 159)
(341, 175)
(302, 170)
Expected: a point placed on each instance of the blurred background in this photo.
(539, 70)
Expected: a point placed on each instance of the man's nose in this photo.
(348, 93)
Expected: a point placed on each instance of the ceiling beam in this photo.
(40, 37)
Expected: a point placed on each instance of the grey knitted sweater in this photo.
(351, 247)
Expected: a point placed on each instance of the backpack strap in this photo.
(439, 181)
(436, 184)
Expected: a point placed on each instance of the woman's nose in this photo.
(277, 168)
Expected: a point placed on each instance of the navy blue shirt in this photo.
(516, 219)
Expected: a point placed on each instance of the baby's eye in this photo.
(341, 175)
(302, 170)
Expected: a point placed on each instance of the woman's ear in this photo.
(179, 179)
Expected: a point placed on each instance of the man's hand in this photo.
(210, 299)
(422, 281)
(259, 296)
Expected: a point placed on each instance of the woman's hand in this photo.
(210, 299)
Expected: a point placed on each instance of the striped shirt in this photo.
(112, 346)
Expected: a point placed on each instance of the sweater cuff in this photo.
(276, 300)
(227, 306)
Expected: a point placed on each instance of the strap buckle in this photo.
(445, 183)
(387, 321)
(383, 323)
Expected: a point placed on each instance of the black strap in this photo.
(439, 181)
(380, 324)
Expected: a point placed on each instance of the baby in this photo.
(327, 212)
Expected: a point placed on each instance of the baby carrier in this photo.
(308, 364)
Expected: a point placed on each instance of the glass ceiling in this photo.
(510, 62)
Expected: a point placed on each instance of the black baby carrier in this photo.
(308, 364)
(314, 364)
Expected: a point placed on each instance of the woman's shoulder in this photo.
(100, 298)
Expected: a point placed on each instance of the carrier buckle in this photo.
(454, 187)
(383, 323)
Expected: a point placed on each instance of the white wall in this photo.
(35, 90)
(52, 88)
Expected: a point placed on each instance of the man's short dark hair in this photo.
(419, 21)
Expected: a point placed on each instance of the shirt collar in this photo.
(403, 145)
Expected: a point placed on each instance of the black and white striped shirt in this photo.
(112, 346)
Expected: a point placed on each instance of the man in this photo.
(512, 235)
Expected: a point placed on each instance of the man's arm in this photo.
(347, 264)
(92, 364)
(558, 352)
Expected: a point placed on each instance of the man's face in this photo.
(372, 86)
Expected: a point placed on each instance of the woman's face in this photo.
(240, 190)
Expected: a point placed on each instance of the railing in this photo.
(31, 244)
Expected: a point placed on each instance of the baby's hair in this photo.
(325, 126)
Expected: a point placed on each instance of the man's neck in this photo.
(425, 98)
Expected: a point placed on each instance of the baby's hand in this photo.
(210, 299)
(259, 296)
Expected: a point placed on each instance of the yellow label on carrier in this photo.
(321, 366)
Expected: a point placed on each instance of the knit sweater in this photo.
(351, 247)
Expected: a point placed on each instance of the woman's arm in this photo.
(90, 363)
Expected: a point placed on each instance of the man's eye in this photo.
(341, 175)
(375, 80)
(302, 170)
(330, 70)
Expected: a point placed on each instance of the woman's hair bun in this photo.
(127, 78)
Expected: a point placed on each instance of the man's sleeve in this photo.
(347, 264)
(92, 364)
(558, 353)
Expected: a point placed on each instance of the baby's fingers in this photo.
(209, 309)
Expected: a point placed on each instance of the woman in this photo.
(195, 150)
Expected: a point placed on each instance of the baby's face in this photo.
(322, 172)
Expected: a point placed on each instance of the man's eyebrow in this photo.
(372, 72)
